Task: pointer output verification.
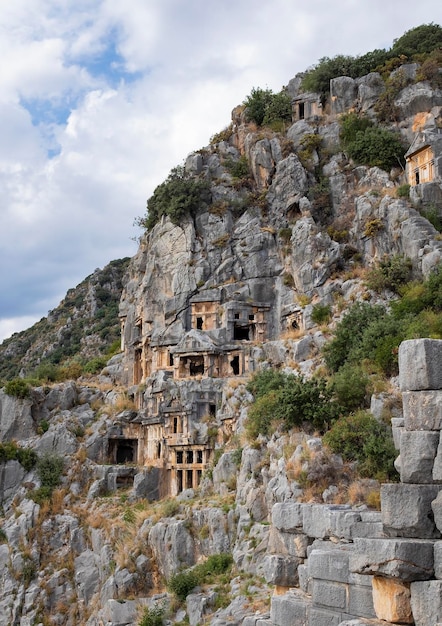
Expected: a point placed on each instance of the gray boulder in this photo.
(420, 364)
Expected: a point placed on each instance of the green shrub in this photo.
(265, 107)
(178, 196)
(265, 381)
(349, 333)
(18, 388)
(153, 616)
(360, 437)
(183, 583)
(239, 169)
(350, 386)
(390, 273)
(403, 191)
(49, 470)
(95, 365)
(261, 414)
(10, 451)
(377, 146)
(433, 215)
(291, 400)
(418, 40)
(321, 313)
(278, 109)
(285, 234)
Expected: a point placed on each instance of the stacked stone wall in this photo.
(337, 566)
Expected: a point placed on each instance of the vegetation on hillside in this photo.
(180, 195)
(78, 336)
(416, 44)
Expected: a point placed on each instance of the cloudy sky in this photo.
(99, 99)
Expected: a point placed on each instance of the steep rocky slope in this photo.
(112, 485)
(82, 327)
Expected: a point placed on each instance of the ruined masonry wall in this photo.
(336, 566)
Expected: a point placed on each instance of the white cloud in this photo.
(122, 92)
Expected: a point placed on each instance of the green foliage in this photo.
(178, 196)
(239, 169)
(285, 234)
(318, 78)
(370, 333)
(183, 583)
(153, 616)
(349, 332)
(18, 388)
(321, 313)
(360, 437)
(420, 39)
(291, 400)
(350, 387)
(390, 273)
(49, 470)
(265, 381)
(278, 109)
(10, 451)
(3, 536)
(433, 215)
(370, 145)
(265, 107)
(95, 365)
(403, 191)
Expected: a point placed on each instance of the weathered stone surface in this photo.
(406, 510)
(322, 521)
(422, 410)
(281, 570)
(174, 534)
(420, 364)
(418, 451)
(288, 516)
(197, 605)
(11, 475)
(87, 575)
(15, 418)
(287, 543)
(426, 602)
(331, 595)
(397, 428)
(438, 560)
(437, 467)
(405, 559)
(331, 564)
(290, 609)
(391, 599)
(360, 601)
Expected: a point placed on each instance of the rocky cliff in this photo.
(135, 496)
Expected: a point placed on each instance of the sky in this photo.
(100, 99)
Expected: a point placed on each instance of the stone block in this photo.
(404, 559)
(437, 466)
(305, 582)
(329, 594)
(290, 609)
(420, 364)
(331, 565)
(329, 520)
(287, 543)
(367, 529)
(391, 599)
(322, 617)
(426, 602)
(397, 428)
(418, 451)
(422, 410)
(360, 601)
(436, 506)
(281, 570)
(406, 510)
(287, 516)
(438, 560)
